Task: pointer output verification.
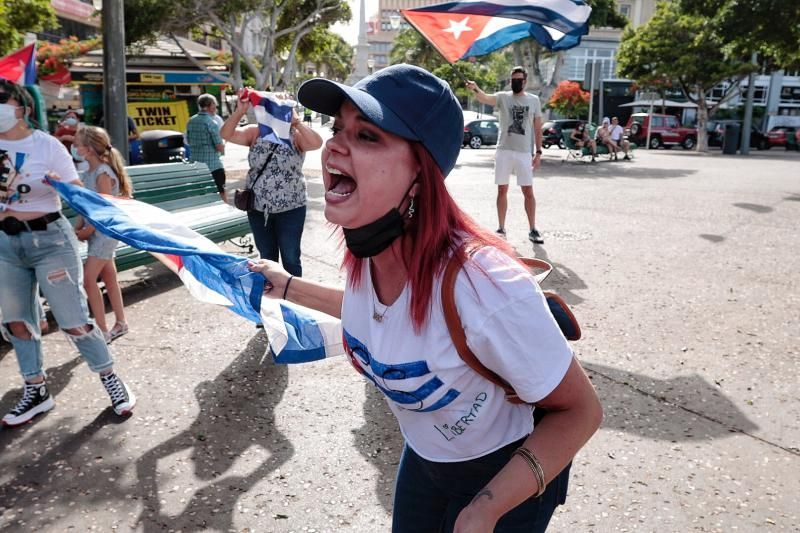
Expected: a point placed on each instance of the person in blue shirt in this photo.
(205, 142)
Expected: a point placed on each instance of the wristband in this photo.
(286, 288)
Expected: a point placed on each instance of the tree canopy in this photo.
(770, 28)
(329, 52)
(680, 48)
(18, 17)
(279, 25)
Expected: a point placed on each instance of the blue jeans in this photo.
(48, 259)
(278, 235)
(429, 496)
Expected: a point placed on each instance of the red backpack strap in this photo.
(457, 334)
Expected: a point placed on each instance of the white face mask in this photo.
(8, 117)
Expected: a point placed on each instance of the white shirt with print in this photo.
(33, 158)
(447, 412)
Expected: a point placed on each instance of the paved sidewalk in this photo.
(681, 268)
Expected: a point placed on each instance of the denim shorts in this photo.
(101, 246)
(430, 495)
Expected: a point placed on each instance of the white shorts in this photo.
(508, 161)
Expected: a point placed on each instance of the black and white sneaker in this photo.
(122, 399)
(35, 399)
(535, 237)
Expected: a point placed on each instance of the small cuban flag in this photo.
(296, 334)
(20, 66)
(273, 115)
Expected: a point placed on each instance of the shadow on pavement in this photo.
(620, 169)
(756, 208)
(681, 408)
(379, 440)
(77, 468)
(236, 413)
(562, 280)
(712, 238)
(478, 164)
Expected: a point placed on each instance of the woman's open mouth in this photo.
(341, 185)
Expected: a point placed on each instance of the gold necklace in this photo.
(376, 316)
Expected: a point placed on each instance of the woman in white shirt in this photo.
(472, 460)
(38, 249)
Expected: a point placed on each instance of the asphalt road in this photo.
(682, 268)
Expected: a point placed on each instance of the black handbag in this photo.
(245, 199)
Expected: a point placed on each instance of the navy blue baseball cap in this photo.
(402, 99)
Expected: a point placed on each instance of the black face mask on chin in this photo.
(517, 85)
(371, 239)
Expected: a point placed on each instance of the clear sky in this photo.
(350, 31)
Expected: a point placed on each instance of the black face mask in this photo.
(517, 85)
(371, 239)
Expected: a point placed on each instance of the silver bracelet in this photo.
(536, 467)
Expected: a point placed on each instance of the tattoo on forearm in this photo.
(485, 492)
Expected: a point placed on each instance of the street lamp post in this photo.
(115, 95)
(394, 20)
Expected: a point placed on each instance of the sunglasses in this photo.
(4, 97)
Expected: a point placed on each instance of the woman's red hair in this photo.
(438, 228)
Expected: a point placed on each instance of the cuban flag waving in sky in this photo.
(273, 115)
(296, 334)
(469, 28)
(20, 66)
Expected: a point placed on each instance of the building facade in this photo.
(777, 95)
(384, 26)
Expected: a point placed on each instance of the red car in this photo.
(784, 136)
(666, 131)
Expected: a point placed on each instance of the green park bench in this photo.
(188, 191)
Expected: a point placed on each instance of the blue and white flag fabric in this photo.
(273, 115)
(296, 334)
(470, 28)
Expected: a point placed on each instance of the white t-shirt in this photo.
(616, 132)
(33, 157)
(516, 114)
(447, 412)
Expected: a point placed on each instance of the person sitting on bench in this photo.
(581, 138)
(603, 136)
(617, 138)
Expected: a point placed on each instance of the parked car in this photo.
(481, 132)
(666, 131)
(782, 136)
(716, 134)
(552, 131)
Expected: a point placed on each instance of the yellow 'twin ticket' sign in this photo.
(159, 115)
